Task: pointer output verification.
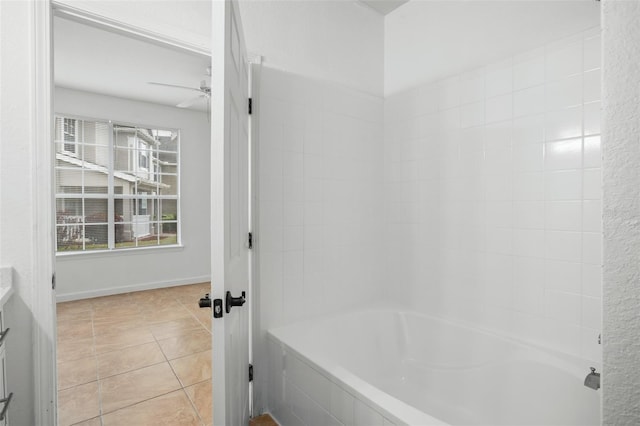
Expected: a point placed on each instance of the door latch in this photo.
(205, 302)
(217, 308)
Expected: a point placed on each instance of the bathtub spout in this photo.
(592, 380)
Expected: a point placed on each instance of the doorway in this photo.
(132, 195)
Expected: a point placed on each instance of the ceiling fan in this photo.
(204, 91)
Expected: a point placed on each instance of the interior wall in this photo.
(319, 213)
(493, 196)
(94, 274)
(621, 127)
(18, 244)
(430, 40)
(339, 41)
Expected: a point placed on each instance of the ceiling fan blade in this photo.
(174, 85)
(189, 102)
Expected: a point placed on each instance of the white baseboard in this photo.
(66, 297)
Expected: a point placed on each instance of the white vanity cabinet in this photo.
(6, 290)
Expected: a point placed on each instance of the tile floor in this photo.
(135, 359)
(263, 420)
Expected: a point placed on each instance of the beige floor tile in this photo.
(174, 327)
(78, 372)
(91, 422)
(76, 306)
(143, 298)
(194, 368)
(203, 315)
(173, 311)
(69, 350)
(125, 310)
(165, 306)
(120, 339)
(114, 338)
(78, 404)
(205, 319)
(135, 386)
(200, 394)
(73, 330)
(72, 316)
(152, 298)
(113, 300)
(186, 344)
(190, 301)
(263, 420)
(128, 359)
(110, 325)
(173, 409)
(192, 295)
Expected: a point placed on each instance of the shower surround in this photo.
(475, 199)
(493, 196)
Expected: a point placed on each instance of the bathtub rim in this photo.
(389, 406)
(402, 414)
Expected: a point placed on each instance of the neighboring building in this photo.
(116, 185)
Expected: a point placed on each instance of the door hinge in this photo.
(249, 240)
(250, 372)
(53, 281)
(250, 106)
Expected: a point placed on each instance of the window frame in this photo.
(111, 193)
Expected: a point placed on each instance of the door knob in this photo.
(234, 301)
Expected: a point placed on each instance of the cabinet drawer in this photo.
(3, 385)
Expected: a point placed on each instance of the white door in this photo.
(229, 215)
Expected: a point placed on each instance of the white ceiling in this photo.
(95, 60)
(384, 6)
(429, 40)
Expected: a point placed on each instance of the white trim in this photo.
(129, 288)
(258, 349)
(111, 210)
(42, 133)
(218, 201)
(68, 255)
(102, 22)
(250, 217)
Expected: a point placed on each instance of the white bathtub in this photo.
(382, 367)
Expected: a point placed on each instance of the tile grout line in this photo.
(95, 359)
(184, 391)
(194, 316)
(155, 340)
(140, 402)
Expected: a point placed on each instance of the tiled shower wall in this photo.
(493, 196)
(320, 213)
(320, 172)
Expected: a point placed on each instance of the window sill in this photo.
(119, 252)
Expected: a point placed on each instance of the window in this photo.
(69, 135)
(143, 156)
(118, 188)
